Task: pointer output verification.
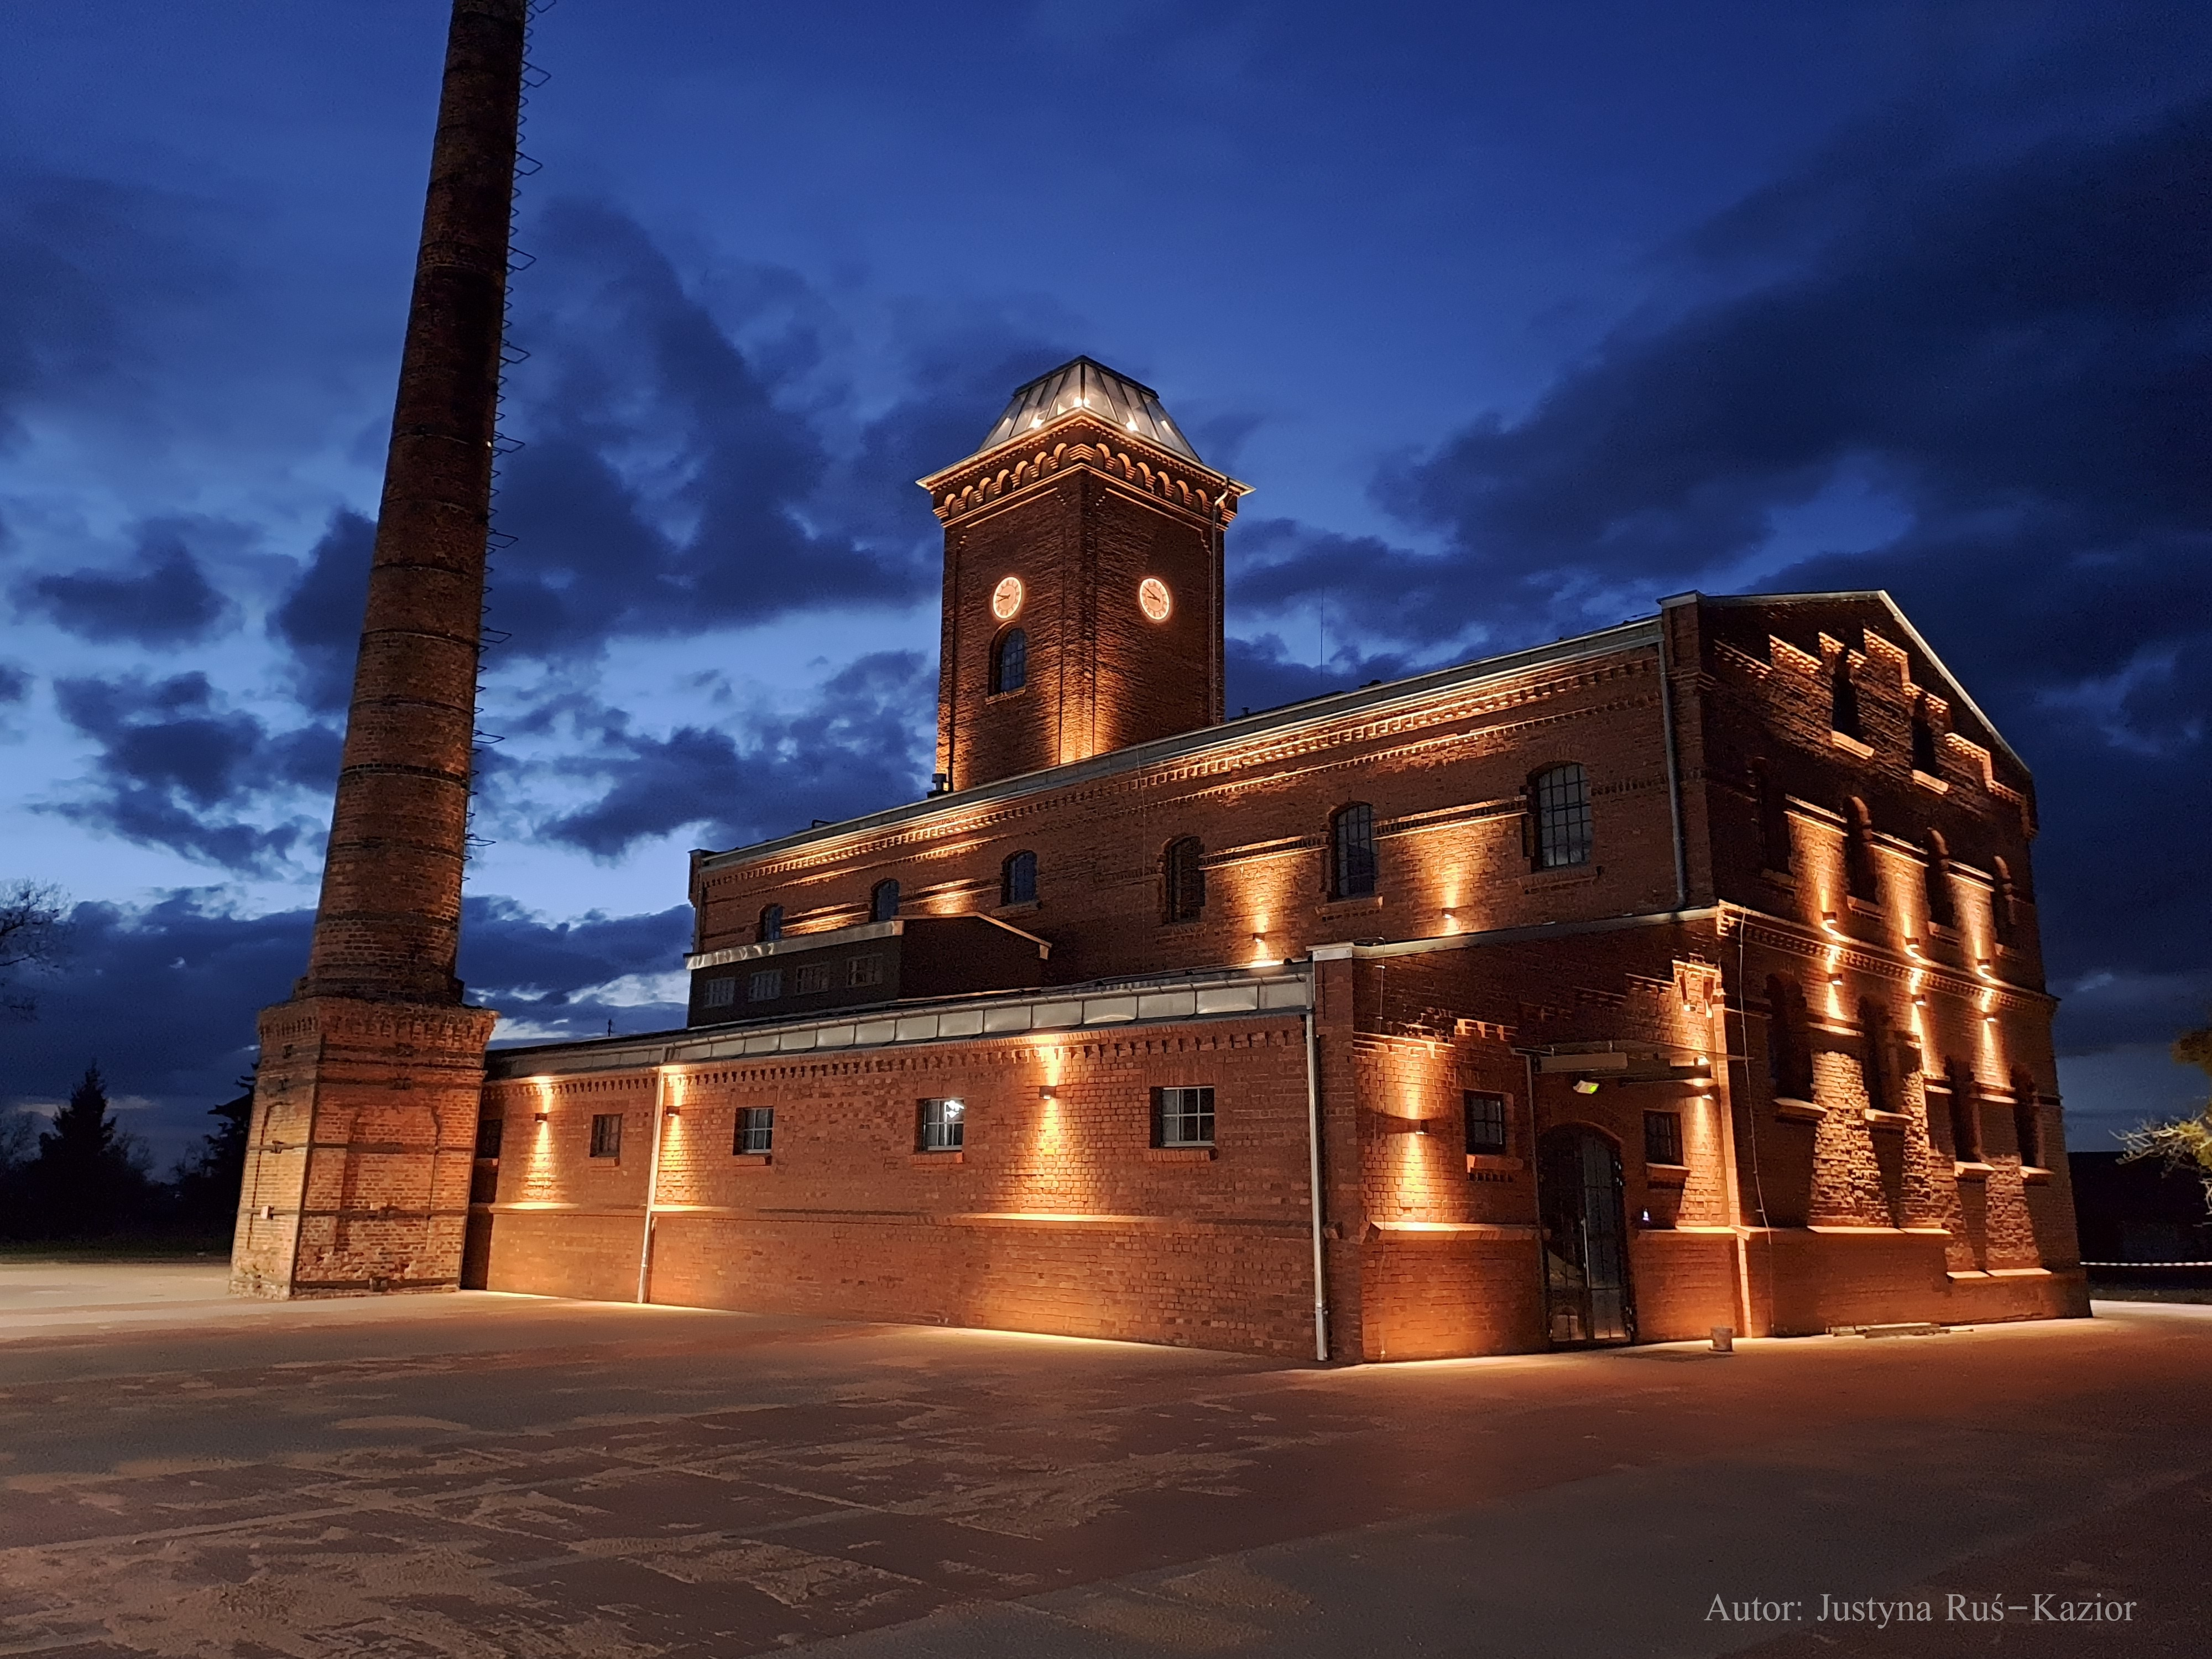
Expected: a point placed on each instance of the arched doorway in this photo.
(1586, 1291)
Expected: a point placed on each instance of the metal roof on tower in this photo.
(1085, 384)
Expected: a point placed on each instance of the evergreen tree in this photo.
(208, 1179)
(85, 1180)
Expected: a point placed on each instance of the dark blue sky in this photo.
(1517, 317)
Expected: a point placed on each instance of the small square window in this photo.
(866, 970)
(814, 976)
(1486, 1122)
(489, 1131)
(1662, 1137)
(606, 1134)
(943, 1126)
(1182, 1117)
(755, 1129)
(718, 993)
(765, 986)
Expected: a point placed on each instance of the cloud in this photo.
(163, 599)
(175, 769)
(320, 618)
(568, 979)
(15, 683)
(671, 479)
(855, 747)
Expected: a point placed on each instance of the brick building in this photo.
(1683, 973)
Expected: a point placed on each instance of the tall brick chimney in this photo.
(365, 1106)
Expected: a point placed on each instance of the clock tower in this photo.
(1083, 580)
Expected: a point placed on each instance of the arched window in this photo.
(1184, 869)
(1559, 799)
(1773, 820)
(1018, 879)
(2027, 1122)
(1923, 740)
(1965, 1112)
(2002, 919)
(1789, 1061)
(883, 901)
(1858, 853)
(1352, 851)
(1937, 876)
(770, 927)
(1874, 1060)
(1010, 661)
(1843, 697)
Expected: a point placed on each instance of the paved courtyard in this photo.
(478, 1474)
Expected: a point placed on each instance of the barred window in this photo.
(1662, 1137)
(1010, 661)
(1352, 851)
(883, 901)
(1185, 870)
(720, 993)
(1182, 1117)
(770, 928)
(1937, 877)
(1485, 1121)
(755, 1129)
(1564, 829)
(1018, 879)
(1858, 853)
(814, 976)
(489, 1131)
(765, 986)
(606, 1134)
(864, 970)
(943, 1126)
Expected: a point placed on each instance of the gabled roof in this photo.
(1085, 384)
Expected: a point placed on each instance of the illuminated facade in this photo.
(1678, 975)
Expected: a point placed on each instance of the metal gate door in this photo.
(1585, 1239)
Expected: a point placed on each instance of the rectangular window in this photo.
(1662, 1137)
(755, 1129)
(814, 976)
(1485, 1121)
(1182, 1117)
(606, 1134)
(866, 970)
(943, 1126)
(718, 993)
(765, 986)
(489, 1131)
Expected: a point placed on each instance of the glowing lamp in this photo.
(1585, 1086)
(543, 1116)
(1048, 1094)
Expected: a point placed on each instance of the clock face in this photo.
(1152, 598)
(1006, 599)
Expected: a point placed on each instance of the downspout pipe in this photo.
(1674, 768)
(1313, 1186)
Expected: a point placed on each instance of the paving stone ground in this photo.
(476, 1475)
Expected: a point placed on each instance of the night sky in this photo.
(1517, 316)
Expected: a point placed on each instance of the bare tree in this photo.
(33, 930)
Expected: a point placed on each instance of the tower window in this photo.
(489, 1131)
(1018, 879)
(1789, 1062)
(883, 901)
(755, 1130)
(1938, 879)
(770, 928)
(1875, 1059)
(1843, 697)
(1923, 741)
(1010, 661)
(1485, 1121)
(2002, 919)
(1858, 853)
(1182, 1117)
(1965, 1115)
(1352, 852)
(1185, 870)
(606, 1134)
(2027, 1122)
(1774, 850)
(942, 1126)
(1564, 829)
